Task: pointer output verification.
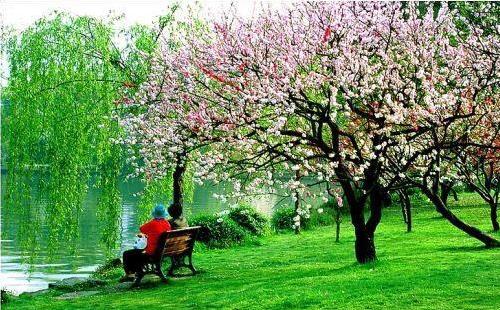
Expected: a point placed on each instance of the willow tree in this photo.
(62, 90)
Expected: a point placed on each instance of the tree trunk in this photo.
(376, 201)
(485, 193)
(338, 220)
(297, 203)
(297, 206)
(406, 209)
(337, 233)
(455, 221)
(409, 220)
(445, 192)
(364, 245)
(493, 215)
(175, 210)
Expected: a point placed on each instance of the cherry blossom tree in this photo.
(165, 133)
(479, 167)
(354, 93)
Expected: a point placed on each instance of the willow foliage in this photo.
(58, 126)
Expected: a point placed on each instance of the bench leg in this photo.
(160, 273)
(172, 266)
(191, 264)
(138, 279)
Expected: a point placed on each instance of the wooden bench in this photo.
(176, 244)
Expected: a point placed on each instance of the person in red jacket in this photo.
(134, 259)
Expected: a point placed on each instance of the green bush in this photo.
(282, 219)
(7, 296)
(250, 219)
(325, 218)
(218, 231)
(461, 187)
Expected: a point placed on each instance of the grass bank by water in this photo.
(434, 267)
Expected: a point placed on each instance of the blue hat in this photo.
(159, 212)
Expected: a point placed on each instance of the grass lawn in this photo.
(434, 267)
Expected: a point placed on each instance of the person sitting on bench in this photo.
(135, 258)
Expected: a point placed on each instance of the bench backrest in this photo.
(177, 242)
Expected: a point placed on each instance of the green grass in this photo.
(434, 267)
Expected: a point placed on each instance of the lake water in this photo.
(27, 264)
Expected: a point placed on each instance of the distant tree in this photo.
(404, 200)
(479, 167)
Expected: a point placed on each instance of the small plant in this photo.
(284, 219)
(218, 231)
(250, 219)
(324, 215)
(6, 296)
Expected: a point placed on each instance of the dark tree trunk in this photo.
(485, 193)
(177, 184)
(493, 215)
(337, 232)
(364, 245)
(176, 209)
(445, 192)
(365, 241)
(338, 220)
(409, 220)
(297, 203)
(377, 197)
(435, 188)
(406, 209)
(297, 206)
(455, 221)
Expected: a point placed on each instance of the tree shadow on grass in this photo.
(468, 248)
(148, 282)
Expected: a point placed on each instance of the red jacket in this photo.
(153, 229)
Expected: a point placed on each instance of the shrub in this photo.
(250, 219)
(283, 219)
(6, 296)
(327, 217)
(218, 231)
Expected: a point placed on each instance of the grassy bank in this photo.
(434, 267)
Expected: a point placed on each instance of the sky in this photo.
(21, 13)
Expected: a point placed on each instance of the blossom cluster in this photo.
(359, 93)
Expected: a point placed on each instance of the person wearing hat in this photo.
(134, 259)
